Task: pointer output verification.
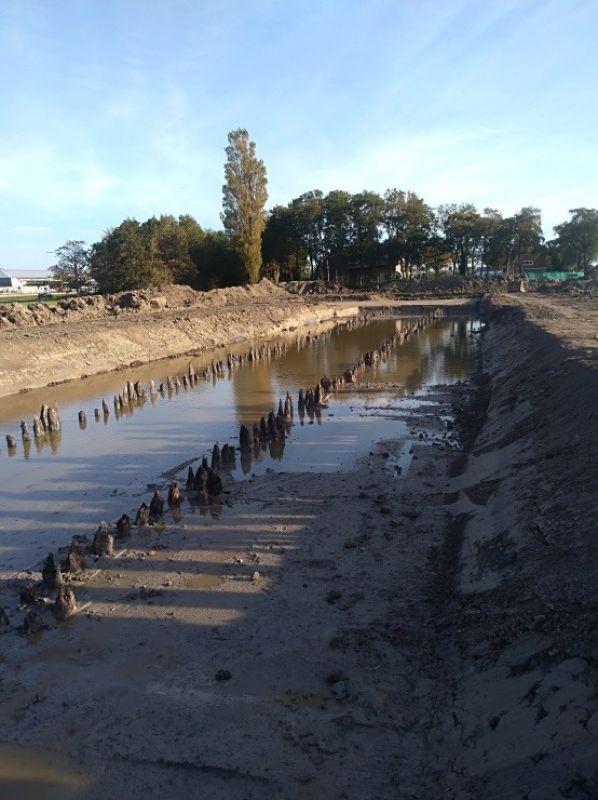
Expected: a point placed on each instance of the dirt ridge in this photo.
(522, 716)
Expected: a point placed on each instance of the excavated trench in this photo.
(373, 612)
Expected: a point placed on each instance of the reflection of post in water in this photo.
(246, 461)
(276, 449)
(54, 438)
(459, 355)
(252, 387)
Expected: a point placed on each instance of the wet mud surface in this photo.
(66, 483)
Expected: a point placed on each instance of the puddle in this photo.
(31, 774)
(204, 581)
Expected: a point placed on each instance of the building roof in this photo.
(30, 273)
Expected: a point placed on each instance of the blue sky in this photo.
(117, 108)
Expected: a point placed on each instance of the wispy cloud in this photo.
(31, 228)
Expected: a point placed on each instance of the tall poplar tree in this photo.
(244, 198)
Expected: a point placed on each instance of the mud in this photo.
(423, 624)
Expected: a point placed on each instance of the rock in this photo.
(64, 605)
(103, 543)
(51, 574)
(350, 543)
(33, 622)
(11, 441)
(4, 621)
(333, 596)
(223, 675)
(255, 576)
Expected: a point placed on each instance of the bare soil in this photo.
(431, 635)
(88, 336)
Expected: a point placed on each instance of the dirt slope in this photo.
(102, 334)
(522, 717)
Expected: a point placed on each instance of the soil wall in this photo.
(95, 337)
(522, 718)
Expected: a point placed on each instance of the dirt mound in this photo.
(141, 301)
(445, 286)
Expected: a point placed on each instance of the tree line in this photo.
(319, 235)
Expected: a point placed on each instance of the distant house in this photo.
(27, 281)
(8, 283)
(358, 275)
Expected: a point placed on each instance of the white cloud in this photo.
(30, 228)
(3, 184)
(97, 185)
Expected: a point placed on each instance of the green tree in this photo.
(169, 243)
(577, 239)
(408, 223)
(217, 261)
(366, 216)
(465, 232)
(123, 259)
(283, 250)
(244, 199)
(310, 221)
(72, 267)
(337, 231)
(527, 237)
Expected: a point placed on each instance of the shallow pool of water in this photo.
(69, 482)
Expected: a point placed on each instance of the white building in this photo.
(8, 283)
(24, 281)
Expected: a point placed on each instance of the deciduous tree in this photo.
(72, 267)
(577, 239)
(244, 199)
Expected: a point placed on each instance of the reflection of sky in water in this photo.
(84, 476)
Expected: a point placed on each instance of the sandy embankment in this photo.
(522, 713)
(91, 341)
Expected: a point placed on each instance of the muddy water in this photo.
(70, 482)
